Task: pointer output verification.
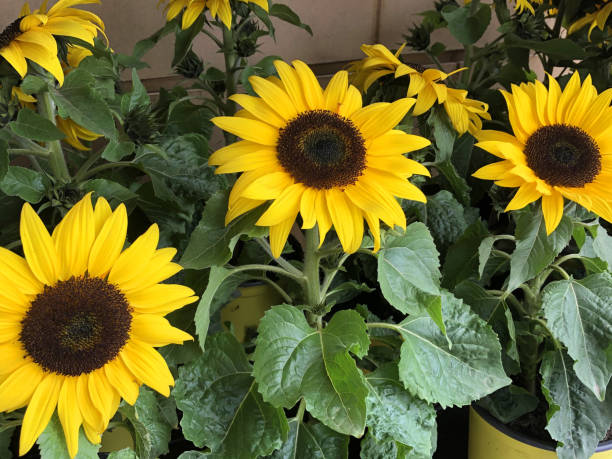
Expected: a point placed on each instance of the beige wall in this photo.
(339, 26)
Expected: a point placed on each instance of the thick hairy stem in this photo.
(57, 161)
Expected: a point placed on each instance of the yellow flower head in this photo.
(561, 147)
(598, 18)
(318, 153)
(424, 83)
(79, 320)
(193, 8)
(465, 114)
(32, 36)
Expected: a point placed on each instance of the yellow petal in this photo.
(39, 411)
(70, 414)
(324, 221)
(122, 380)
(552, 208)
(259, 108)
(395, 142)
(274, 96)
(377, 119)
(398, 165)
(255, 131)
(265, 157)
(283, 207)
(292, 85)
(108, 244)
(351, 103)
(425, 100)
(12, 53)
(190, 15)
(148, 366)
(307, 208)
(131, 261)
(279, 234)
(335, 91)
(17, 389)
(160, 298)
(270, 186)
(341, 216)
(15, 268)
(312, 89)
(44, 58)
(156, 331)
(494, 170)
(38, 247)
(13, 357)
(526, 194)
(91, 415)
(233, 151)
(102, 212)
(101, 393)
(374, 225)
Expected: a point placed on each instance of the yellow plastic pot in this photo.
(116, 440)
(245, 311)
(490, 438)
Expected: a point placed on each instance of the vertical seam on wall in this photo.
(379, 6)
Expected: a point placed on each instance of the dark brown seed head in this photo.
(11, 32)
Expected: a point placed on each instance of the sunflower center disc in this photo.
(563, 155)
(11, 32)
(322, 149)
(76, 326)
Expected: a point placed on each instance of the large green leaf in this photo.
(408, 264)
(456, 375)
(31, 125)
(28, 184)
(394, 413)
(462, 258)
(293, 360)
(444, 134)
(559, 48)
(221, 406)
(312, 440)
(576, 419)
(509, 403)
(125, 453)
(284, 13)
(535, 250)
(466, 25)
(52, 443)
(579, 315)
(445, 219)
(152, 420)
(212, 242)
(602, 246)
(77, 100)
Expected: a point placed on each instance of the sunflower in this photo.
(32, 35)
(424, 83)
(75, 133)
(598, 18)
(193, 8)
(561, 147)
(465, 114)
(79, 320)
(320, 153)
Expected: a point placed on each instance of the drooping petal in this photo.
(148, 366)
(157, 331)
(70, 414)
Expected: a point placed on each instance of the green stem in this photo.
(230, 56)
(268, 268)
(27, 144)
(544, 325)
(571, 256)
(27, 151)
(276, 287)
(280, 260)
(311, 268)
(300, 413)
(561, 271)
(57, 161)
(329, 278)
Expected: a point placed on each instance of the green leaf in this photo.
(462, 258)
(312, 440)
(484, 252)
(138, 97)
(468, 371)
(33, 84)
(347, 291)
(445, 219)
(31, 125)
(509, 403)
(408, 264)
(284, 13)
(5, 443)
(5, 160)
(579, 315)
(293, 361)
(52, 443)
(125, 453)
(109, 189)
(116, 150)
(602, 246)
(221, 406)
(28, 184)
(456, 181)
(77, 100)
(468, 27)
(184, 39)
(393, 413)
(444, 134)
(212, 242)
(222, 283)
(535, 250)
(576, 419)
(559, 48)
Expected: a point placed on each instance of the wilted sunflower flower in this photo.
(75, 133)
(31, 36)
(193, 8)
(598, 18)
(79, 320)
(561, 147)
(319, 153)
(424, 83)
(521, 5)
(465, 113)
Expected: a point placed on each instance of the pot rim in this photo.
(503, 428)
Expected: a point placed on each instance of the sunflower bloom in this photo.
(32, 35)
(598, 18)
(80, 318)
(318, 153)
(561, 148)
(465, 114)
(193, 8)
(424, 83)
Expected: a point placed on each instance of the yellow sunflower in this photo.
(561, 147)
(31, 36)
(465, 113)
(424, 83)
(193, 8)
(318, 153)
(80, 318)
(598, 18)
